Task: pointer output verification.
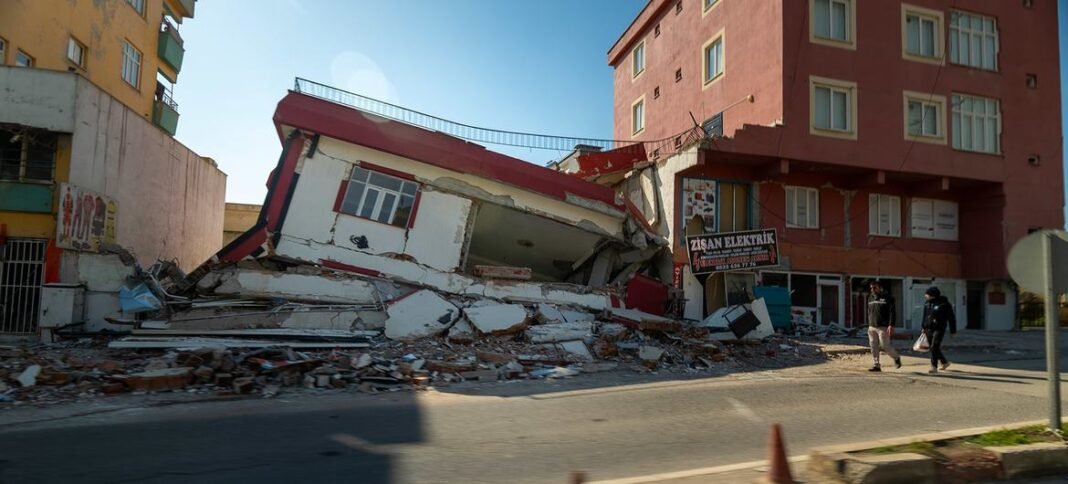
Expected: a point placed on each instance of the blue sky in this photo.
(535, 66)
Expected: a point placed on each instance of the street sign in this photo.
(1027, 261)
(733, 251)
(1039, 263)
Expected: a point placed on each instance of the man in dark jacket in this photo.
(937, 317)
(881, 315)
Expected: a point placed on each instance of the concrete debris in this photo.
(552, 333)
(166, 379)
(500, 319)
(576, 349)
(28, 377)
(503, 272)
(576, 316)
(463, 332)
(548, 314)
(650, 353)
(419, 315)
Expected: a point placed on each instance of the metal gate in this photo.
(21, 275)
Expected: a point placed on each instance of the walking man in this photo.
(937, 317)
(881, 316)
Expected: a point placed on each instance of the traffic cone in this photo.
(779, 471)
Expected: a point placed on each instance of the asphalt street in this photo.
(522, 432)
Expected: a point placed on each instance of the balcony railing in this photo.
(171, 48)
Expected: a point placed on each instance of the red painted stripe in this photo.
(285, 178)
(341, 266)
(386, 170)
(249, 242)
(340, 195)
(437, 149)
(415, 208)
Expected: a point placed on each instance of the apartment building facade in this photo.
(88, 158)
(914, 142)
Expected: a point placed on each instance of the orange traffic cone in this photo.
(779, 471)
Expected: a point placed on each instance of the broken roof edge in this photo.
(348, 124)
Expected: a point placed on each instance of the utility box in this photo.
(61, 304)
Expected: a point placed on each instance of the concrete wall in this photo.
(171, 200)
(753, 64)
(37, 98)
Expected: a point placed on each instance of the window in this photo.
(802, 207)
(138, 5)
(637, 59)
(832, 22)
(27, 155)
(976, 124)
(884, 215)
(3, 51)
(637, 116)
(973, 40)
(76, 52)
(925, 117)
(934, 219)
(922, 34)
(708, 4)
(382, 198)
(23, 59)
(712, 59)
(833, 108)
(131, 65)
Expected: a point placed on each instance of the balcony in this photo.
(171, 50)
(165, 111)
(189, 6)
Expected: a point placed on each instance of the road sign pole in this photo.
(1053, 356)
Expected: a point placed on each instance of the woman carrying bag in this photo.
(937, 317)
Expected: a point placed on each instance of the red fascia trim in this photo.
(614, 161)
(341, 266)
(340, 195)
(386, 171)
(415, 208)
(250, 242)
(353, 126)
(285, 175)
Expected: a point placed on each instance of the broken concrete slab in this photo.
(321, 288)
(552, 333)
(28, 377)
(611, 330)
(420, 315)
(503, 272)
(495, 358)
(576, 349)
(498, 319)
(650, 353)
(371, 320)
(644, 320)
(165, 379)
(463, 332)
(547, 314)
(576, 316)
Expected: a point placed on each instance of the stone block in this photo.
(890, 468)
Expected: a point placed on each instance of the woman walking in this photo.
(937, 317)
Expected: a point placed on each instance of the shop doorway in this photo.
(830, 303)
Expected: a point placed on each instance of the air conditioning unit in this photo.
(61, 304)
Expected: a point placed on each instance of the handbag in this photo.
(921, 343)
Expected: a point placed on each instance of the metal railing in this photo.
(21, 276)
(1032, 314)
(164, 95)
(484, 135)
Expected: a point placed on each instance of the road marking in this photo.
(702, 471)
(744, 410)
(359, 444)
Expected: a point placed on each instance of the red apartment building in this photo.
(911, 141)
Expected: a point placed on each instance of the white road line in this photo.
(357, 443)
(702, 471)
(744, 410)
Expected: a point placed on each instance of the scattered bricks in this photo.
(189, 359)
(503, 272)
(498, 319)
(495, 358)
(244, 385)
(112, 388)
(719, 357)
(404, 368)
(107, 366)
(662, 325)
(223, 379)
(204, 374)
(450, 366)
(1032, 460)
(480, 375)
(51, 377)
(226, 363)
(604, 348)
(165, 379)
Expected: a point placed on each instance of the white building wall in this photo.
(37, 97)
(171, 200)
(999, 317)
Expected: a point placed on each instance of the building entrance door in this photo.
(831, 304)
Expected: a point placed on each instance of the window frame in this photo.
(73, 41)
(956, 32)
(919, 202)
(957, 138)
(404, 178)
(20, 52)
(634, 57)
(3, 51)
(926, 99)
(125, 65)
(810, 224)
(937, 17)
(639, 102)
(850, 88)
(851, 31)
(138, 6)
(24, 158)
(721, 39)
(708, 5)
(878, 201)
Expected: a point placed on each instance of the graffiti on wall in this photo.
(86, 219)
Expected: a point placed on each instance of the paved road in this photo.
(522, 432)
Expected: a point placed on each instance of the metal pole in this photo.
(1053, 357)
